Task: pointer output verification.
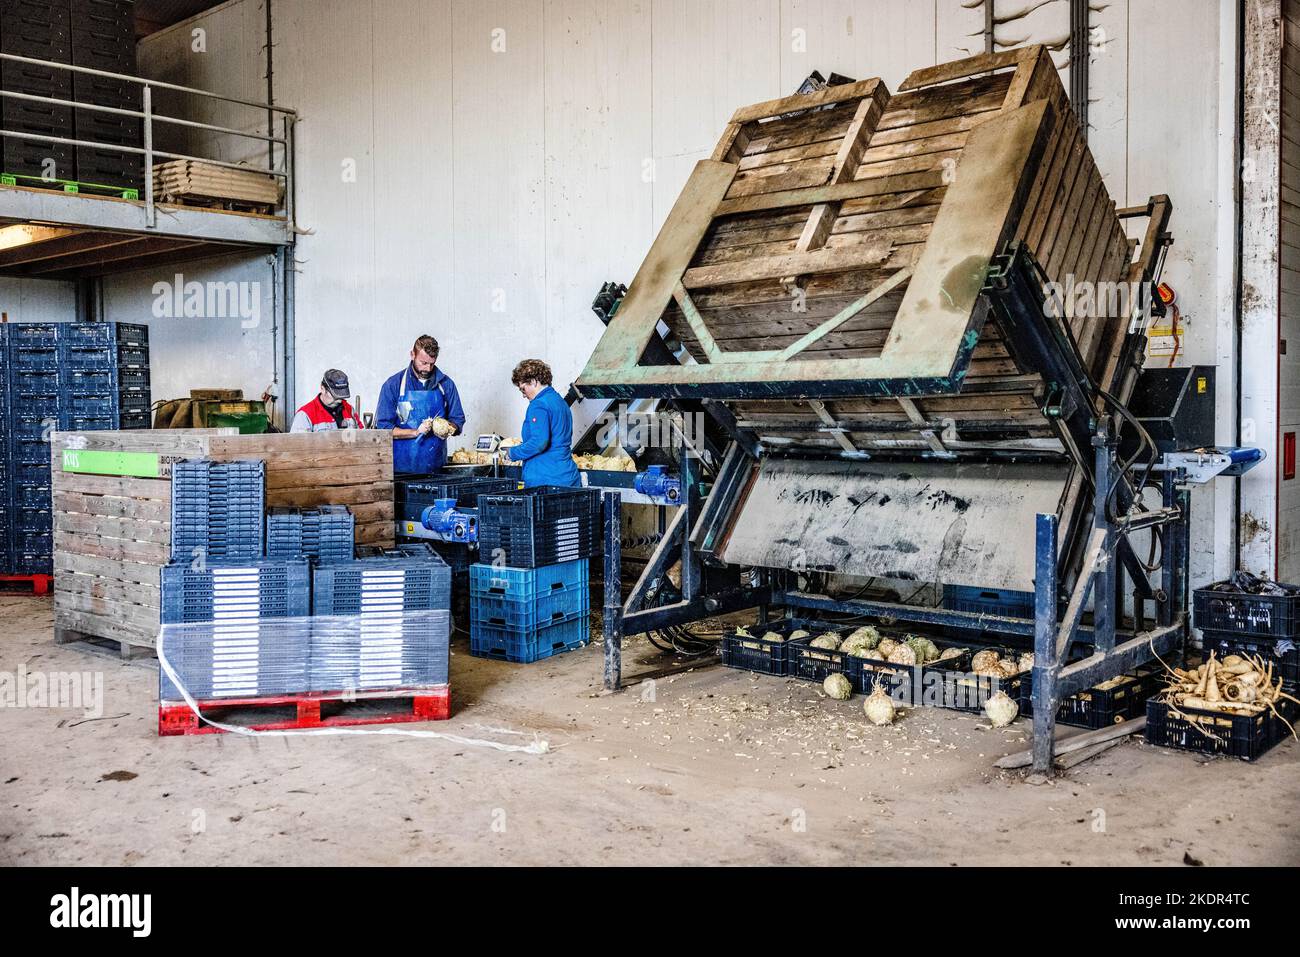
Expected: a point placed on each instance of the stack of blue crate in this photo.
(382, 621)
(59, 376)
(32, 413)
(224, 636)
(217, 510)
(106, 376)
(533, 600)
(324, 534)
(527, 614)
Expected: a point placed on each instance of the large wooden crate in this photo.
(112, 533)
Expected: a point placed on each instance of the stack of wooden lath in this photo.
(112, 533)
(192, 180)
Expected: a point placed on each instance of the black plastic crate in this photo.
(758, 654)
(1212, 732)
(1100, 707)
(132, 333)
(129, 421)
(937, 684)
(132, 357)
(133, 378)
(540, 526)
(1284, 653)
(960, 689)
(1269, 616)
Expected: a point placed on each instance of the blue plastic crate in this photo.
(45, 406)
(81, 383)
(90, 423)
(87, 333)
(21, 333)
(549, 608)
(90, 405)
(88, 358)
(217, 509)
(27, 492)
(524, 645)
(25, 382)
(28, 451)
(393, 581)
(36, 427)
(34, 358)
(526, 583)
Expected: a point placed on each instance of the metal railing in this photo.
(282, 169)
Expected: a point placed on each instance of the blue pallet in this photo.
(526, 583)
(549, 608)
(527, 645)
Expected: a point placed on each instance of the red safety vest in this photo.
(322, 420)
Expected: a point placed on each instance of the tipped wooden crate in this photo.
(112, 533)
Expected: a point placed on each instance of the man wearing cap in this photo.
(329, 410)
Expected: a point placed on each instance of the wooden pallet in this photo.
(112, 534)
(329, 709)
(129, 647)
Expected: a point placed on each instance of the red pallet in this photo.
(343, 709)
(41, 584)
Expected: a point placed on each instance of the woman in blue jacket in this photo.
(547, 448)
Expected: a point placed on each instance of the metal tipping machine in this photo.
(919, 320)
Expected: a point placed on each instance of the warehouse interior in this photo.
(860, 432)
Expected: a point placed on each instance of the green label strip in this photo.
(132, 464)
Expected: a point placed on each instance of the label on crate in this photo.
(129, 464)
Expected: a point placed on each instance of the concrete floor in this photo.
(715, 767)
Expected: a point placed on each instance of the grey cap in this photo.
(336, 383)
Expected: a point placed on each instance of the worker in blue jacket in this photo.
(422, 407)
(547, 448)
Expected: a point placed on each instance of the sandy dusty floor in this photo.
(709, 767)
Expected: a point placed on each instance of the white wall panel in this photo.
(37, 300)
(233, 352)
(856, 38)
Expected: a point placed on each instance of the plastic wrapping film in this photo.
(251, 657)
